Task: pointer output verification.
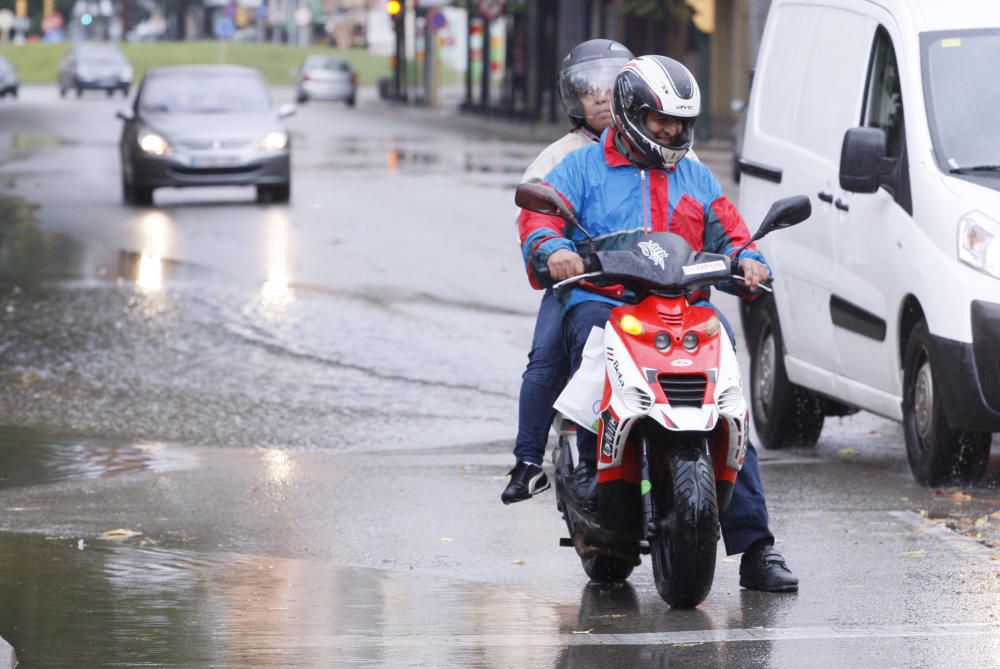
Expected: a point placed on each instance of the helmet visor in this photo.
(585, 88)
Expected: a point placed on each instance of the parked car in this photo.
(89, 66)
(204, 125)
(327, 78)
(884, 111)
(9, 80)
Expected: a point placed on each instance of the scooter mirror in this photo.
(542, 199)
(785, 213)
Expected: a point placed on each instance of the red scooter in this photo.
(661, 387)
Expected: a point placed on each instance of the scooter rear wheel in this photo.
(684, 551)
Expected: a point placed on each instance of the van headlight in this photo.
(979, 242)
(151, 142)
(274, 141)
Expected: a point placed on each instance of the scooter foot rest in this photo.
(566, 542)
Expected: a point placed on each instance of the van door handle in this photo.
(826, 197)
(841, 205)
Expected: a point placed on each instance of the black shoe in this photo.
(585, 484)
(763, 568)
(526, 479)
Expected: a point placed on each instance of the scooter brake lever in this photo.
(574, 279)
(760, 286)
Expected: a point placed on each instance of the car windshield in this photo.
(962, 94)
(323, 63)
(205, 93)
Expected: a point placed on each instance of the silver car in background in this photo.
(327, 78)
(90, 66)
(204, 125)
(9, 80)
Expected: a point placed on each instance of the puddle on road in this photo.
(110, 605)
(30, 256)
(487, 163)
(27, 458)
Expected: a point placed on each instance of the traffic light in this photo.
(21, 8)
(48, 7)
(703, 15)
(394, 7)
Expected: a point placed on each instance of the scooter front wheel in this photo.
(684, 550)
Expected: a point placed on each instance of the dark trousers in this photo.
(542, 381)
(745, 522)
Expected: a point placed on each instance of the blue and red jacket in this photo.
(617, 203)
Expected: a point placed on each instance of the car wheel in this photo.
(938, 455)
(786, 415)
(350, 101)
(79, 92)
(301, 98)
(62, 92)
(111, 92)
(128, 193)
(14, 93)
(126, 90)
(141, 196)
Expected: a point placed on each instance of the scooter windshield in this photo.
(662, 261)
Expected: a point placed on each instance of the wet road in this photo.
(299, 417)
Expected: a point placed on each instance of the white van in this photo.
(886, 113)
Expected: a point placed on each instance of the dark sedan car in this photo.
(204, 125)
(8, 79)
(99, 67)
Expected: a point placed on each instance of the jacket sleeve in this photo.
(726, 232)
(542, 235)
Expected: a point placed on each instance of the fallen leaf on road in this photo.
(120, 534)
(957, 496)
(446, 540)
(583, 631)
(917, 553)
(847, 452)
(686, 645)
(518, 561)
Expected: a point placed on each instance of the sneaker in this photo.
(526, 479)
(585, 484)
(764, 568)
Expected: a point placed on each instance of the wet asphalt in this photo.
(275, 436)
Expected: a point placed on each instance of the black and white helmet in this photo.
(660, 84)
(589, 67)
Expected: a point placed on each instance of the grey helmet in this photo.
(589, 66)
(659, 84)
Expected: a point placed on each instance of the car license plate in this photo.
(215, 161)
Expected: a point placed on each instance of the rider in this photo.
(636, 180)
(586, 76)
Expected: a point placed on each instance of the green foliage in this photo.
(657, 9)
(37, 63)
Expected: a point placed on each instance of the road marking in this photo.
(956, 541)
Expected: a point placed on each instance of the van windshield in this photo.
(962, 94)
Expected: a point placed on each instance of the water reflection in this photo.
(29, 256)
(276, 290)
(113, 605)
(27, 458)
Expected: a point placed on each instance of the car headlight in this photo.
(125, 74)
(274, 141)
(979, 242)
(150, 142)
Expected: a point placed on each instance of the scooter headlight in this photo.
(662, 341)
(690, 342)
(631, 324)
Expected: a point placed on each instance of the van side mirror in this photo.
(125, 114)
(863, 161)
(543, 200)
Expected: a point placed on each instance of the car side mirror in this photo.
(286, 110)
(784, 213)
(125, 114)
(863, 161)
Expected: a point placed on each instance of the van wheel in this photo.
(786, 415)
(938, 455)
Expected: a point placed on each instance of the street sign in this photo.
(223, 27)
(490, 9)
(6, 19)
